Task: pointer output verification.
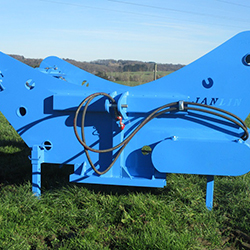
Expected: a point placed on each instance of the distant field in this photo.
(135, 78)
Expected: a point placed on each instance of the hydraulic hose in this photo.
(237, 119)
(170, 107)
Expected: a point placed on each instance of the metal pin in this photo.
(115, 105)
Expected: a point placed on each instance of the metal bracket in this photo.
(122, 107)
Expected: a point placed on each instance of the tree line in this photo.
(108, 65)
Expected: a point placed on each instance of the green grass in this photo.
(71, 216)
(135, 78)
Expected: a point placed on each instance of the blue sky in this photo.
(176, 31)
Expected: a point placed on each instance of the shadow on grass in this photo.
(15, 169)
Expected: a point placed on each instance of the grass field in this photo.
(135, 78)
(71, 216)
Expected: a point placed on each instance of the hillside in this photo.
(108, 65)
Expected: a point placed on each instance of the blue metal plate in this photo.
(210, 157)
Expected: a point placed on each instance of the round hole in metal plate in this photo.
(22, 111)
(47, 145)
(146, 150)
(246, 59)
(30, 84)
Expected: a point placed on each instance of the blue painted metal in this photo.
(41, 103)
(210, 191)
(37, 158)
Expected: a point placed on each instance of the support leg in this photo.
(210, 192)
(37, 158)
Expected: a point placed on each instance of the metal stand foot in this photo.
(37, 158)
(210, 192)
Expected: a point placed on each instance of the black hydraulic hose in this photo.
(240, 122)
(88, 99)
(170, 107)
(123, 144)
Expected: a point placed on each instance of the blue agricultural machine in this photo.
(189, 122)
